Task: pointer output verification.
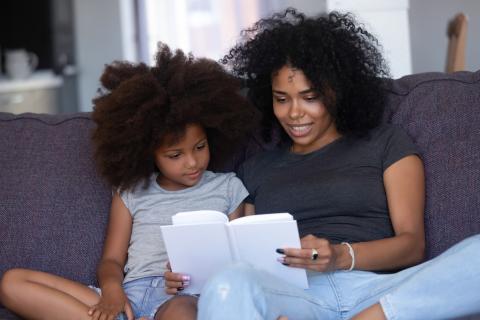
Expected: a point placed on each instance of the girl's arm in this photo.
(237, 213)
(405, 188)
(110, 270)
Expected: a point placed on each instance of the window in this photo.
(206, 28)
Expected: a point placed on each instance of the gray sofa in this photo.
(54, 206)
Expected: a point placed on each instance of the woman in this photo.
(355, 186)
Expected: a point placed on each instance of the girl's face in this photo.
(183, 163)
(300, 111)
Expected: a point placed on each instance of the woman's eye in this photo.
(280, 99)
(201, 146)
(311, 98)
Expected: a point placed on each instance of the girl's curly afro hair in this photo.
(139, 105)
(339, 57)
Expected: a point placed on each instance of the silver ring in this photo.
(314, 255)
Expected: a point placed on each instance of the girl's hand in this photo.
(175, 282)
(302, 258)
(112, 302)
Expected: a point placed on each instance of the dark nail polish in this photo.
(281, 251)
(180, 288)
(285, 264)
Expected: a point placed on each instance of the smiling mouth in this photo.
(300, 130)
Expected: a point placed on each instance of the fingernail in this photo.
(285, 264)
(185, 283)
(281, 251)
(281, 259)
(186, 278)
(180, 288)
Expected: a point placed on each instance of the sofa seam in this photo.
(45, 122)
(407, 92)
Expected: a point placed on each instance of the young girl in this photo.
(155, 129)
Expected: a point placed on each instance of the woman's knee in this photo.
(239, 279)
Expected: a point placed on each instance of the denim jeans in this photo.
(146, 295)
(447, 286)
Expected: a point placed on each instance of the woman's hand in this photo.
(112, 302)
(327, 259)
(175, 282)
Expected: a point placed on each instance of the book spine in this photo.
(232, 241)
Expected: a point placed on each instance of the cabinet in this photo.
(40, 93)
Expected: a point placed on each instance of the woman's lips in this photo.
(298, 130)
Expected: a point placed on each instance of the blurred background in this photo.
(52, 52)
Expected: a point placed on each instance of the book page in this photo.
(256, 244)
(199, 250)
(263, 218)
(198, 217)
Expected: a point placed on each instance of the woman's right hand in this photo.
(112, 302)
(175, 282)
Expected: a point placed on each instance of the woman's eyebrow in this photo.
(309, 90)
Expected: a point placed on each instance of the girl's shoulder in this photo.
(211, 177)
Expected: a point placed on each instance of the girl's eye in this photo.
(174, 155)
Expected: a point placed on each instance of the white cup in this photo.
(20, 63)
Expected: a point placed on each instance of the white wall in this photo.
(103, 33)
(386, 19)
(428, 25)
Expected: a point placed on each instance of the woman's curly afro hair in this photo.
(340, 58)
(139, 106)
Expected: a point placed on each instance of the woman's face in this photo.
(300, 111)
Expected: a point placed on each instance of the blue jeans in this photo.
(445, 287)
(146, 295)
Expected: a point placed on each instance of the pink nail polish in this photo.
(186, 278)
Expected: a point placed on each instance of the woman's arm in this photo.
(405, 188)
(110, 270)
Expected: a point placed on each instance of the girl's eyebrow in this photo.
(199, 141)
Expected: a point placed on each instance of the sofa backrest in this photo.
(53, 205)
(441, 112)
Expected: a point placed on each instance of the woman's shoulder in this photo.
(262, 159)
(387, 130)
(387, 134)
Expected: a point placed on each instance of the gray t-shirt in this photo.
(154, 207)
(336, 192)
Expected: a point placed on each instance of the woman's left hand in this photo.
(302, 258)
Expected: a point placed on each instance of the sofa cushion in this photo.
(54, 207)
(441, 112)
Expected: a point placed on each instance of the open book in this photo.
(202, 243)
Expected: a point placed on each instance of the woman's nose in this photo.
(295, 111)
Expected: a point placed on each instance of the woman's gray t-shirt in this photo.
(154, 207)
(336, 192)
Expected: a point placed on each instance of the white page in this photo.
(263, 218)
(197, 250)
(199, 216)
(256, 244)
